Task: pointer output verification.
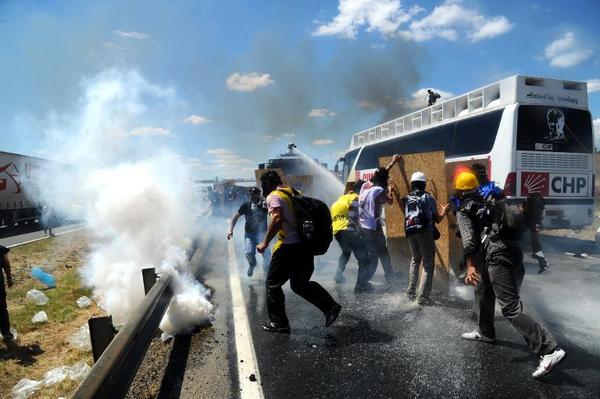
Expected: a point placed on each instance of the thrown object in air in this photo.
(84, 302)
(45, 277)
(37, 296)
(40, 317)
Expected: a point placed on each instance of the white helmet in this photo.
(418, 176)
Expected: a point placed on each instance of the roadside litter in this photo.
(37, 296)
(40, 317)
(45, 277)
(81, 339)
(26, 387)
(84, 302)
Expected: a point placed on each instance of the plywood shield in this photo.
(432, 164)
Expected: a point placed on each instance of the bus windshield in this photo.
(554, 129)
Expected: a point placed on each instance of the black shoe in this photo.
(8, 337)
(426, 302)
(269, 326)
(250, 271)
(366, 288)
(543, 264)
(332, 315)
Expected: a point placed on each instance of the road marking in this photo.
(45, 237)
(243, 336)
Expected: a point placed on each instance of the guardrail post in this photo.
(102, 333)
(149, 276)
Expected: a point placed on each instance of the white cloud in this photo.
(593, 85)
(249, 81)
(383, 16)
(196, 120)
(450, 21)
(321, 113)
(132, 35)
(321, 142)
(566, 52)
(274, 136)
(288, 135)
(150, 131)
(419, 98)
(227, 163)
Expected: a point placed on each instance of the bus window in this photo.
(348, 162)
(555, 129)
(476, 135)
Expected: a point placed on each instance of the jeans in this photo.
(422, 248)
(501, 279)
(376, 244)
(251, 240)
(351, 241)
(295, 263)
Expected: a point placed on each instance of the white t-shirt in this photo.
(369, 208)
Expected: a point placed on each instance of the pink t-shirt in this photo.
(290, 234)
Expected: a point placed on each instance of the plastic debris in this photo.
(45, 277)
(40, 317)
(84, 302)
(25, 388)
(37, 296)
(81, 339)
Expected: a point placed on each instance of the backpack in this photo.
(313, 222)
(509, 220)
(415, 219)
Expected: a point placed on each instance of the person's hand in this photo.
(445, 209)
(9, 281)
(260, 248)
(396, 158)
(229, 235)
(473, 276)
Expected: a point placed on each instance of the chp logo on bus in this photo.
(364, 175)
(554, 184)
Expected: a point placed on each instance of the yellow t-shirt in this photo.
(341, 212)
(287, 234)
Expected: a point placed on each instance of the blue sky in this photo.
(228, 84)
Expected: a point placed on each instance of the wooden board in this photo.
(434, 166)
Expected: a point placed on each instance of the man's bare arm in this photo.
(274, 227)
(233, 222)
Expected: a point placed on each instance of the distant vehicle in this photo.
(534, 135)
(17, 198)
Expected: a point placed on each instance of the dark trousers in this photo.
(376, 244)
(536, 245)
(501, 280)
(4, 321)
(352, 242)
(293, 262)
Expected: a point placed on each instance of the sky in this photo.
(227, 85)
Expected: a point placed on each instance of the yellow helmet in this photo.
(466, 181)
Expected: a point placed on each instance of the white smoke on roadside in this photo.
(136, 195)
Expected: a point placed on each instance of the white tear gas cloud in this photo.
(137, 195)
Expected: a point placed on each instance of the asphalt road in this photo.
(26, 234)
(383, 346)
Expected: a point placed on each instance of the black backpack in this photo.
(509, 220)
(313, 222)
(414, 217)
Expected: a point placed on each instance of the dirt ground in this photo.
(42, 347)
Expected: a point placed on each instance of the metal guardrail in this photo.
(114, 371)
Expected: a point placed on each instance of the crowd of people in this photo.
(492, 258)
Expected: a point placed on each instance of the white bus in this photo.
(534, 134)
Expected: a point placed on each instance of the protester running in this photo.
(4, 320)
(374, 194)
(534, 210)
(420, 215)
(346, 229)
(497, 277)
(255, 212)
(290, 261)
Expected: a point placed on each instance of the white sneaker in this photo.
(548, 362)
(477, 336)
